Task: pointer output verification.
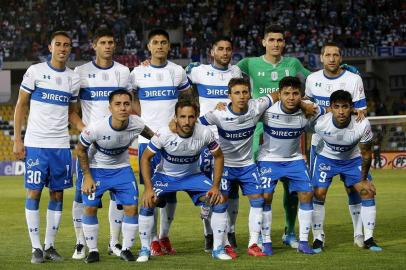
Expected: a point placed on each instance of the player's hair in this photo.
(121, 91)
(330, 44)
(221, 38)
(158, 32)
(102, 32)
(238, 81)
(287, 81)
(341, 95)
(187, 102)
(59, 33)
(274, 28)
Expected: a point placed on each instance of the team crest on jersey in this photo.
(287, 73)
(105, 76)
(340, 137)
(274, 75)
(159, 77)
(221, 75)
(58, 80)
(330, 88)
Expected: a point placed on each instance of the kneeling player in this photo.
(280, 158)
(340, 155)
(103, 157)
(179, 171)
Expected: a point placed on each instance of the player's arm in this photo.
(147, 133)
(136, 105)
(215, 192)
(89, 185)
(148, 197)
(19, 115)
(366, 156)
(189, 93)
(74, 118)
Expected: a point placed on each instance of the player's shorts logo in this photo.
(266, 170)
(160, 184)
(324, 167)
(31, 163)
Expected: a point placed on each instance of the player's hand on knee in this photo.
(221, 106)
(368, 186)
(89, 186)
(19, 150)
(216, 196)
(149, 198)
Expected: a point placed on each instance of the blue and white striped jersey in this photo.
(158, 89)
(52, 90)
(236, 130)
(342, 143)
(319, 87)
(96, 84)
(282, 133)
(108, 147)
(180, 156)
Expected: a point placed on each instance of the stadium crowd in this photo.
(25, 25)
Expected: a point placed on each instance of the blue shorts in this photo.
(120, 181)
(247, 177)
(293, 171)
(196, 185)
(154, 162)
(78, 185)
(206, 162)
(326, 168)
(312, 157)
(50, 167)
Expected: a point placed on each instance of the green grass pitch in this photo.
(187, 234)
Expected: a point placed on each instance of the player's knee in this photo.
(130, 210)
(306, 196)
(257, 202)
(171, 198)
(34, 194)
(55, 205)
(366, 194)
(90, 211)
(268, 197)
(144, 211)
(56, 195)
(306, 206)
(320, 195)
(220, 208)
(90, 219)
(354, 197)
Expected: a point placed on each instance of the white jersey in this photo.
(282, 133)
(212, 84)
(236, 130)
(180, 156)
(96, 84)
(158, 89)
(319, 87)
(52, 90)
(108, 147)
(341, 143)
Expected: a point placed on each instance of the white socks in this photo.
(77, 212)
(167, 214)
(115, 220)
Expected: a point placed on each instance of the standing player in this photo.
(236, 127)
(49, 89)
(98, 79)
(319, 86)
(157, 88)
(211, 82)
(179, 171)
(103, 156)
(339, 154)
(265, 72)
(280, 156)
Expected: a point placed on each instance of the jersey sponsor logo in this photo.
(55, 97)
(158, 93)
(287, 73)
(180, 159)
(96, 93)
(283, 133)
(340, 148)
(322, 101)
(112, 151)
(236, 135)
(268, 90)
(51, 96)
(212, 91)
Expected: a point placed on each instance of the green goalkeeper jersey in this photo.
(265, 76)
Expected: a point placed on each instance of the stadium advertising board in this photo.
(392, 160)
